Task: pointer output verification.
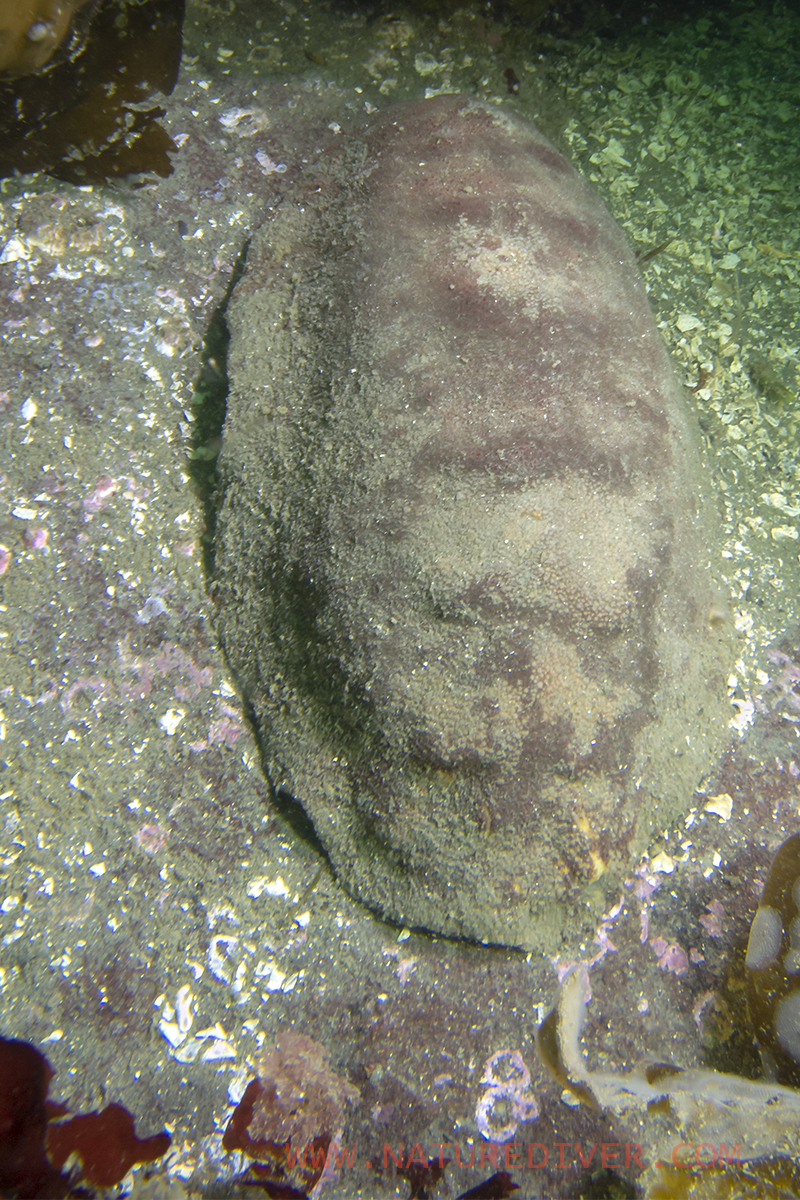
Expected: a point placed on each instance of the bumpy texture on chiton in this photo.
(462, 555)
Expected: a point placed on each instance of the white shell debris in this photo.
(171, 720)
(721, 806)
(268, 166)
(244, 122)
(276, 980)
(14, 250)
(207, 1045)
(153, 607)
(273, 887)
(745, 716)
(221, 950)
(183, 1008)
(176, 1021)
(612, 152)
(779, 501)
(426, 64)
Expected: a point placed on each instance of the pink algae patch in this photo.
(169, 658)
(100, 494)
(95, 683)
(173, 658)
(106, 487)
(151, 838)
(712, 920)
(36, 539)
(226, 730)
(671, 957)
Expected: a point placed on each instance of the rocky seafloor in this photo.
(162, 921)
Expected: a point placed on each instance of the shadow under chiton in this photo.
(463, 549)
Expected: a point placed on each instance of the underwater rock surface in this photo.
(462, 554)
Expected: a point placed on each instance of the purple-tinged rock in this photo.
(463, 552)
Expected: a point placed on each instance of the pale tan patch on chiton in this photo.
(567, 692)
(460, 719)
(596, 542)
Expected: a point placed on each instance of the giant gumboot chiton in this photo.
(462, 558)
